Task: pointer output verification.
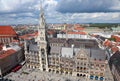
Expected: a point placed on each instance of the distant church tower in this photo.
(42, 42)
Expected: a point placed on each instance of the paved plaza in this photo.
(25, 74)
(36, 75)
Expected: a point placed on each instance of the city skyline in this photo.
(60, 11)
(84, 53)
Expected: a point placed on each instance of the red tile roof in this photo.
(114, 49)
(93, 35)
(1, 46)
(25, 37)
(50, 32)
(7, 53)
(107, 43)
(29, 36)
(7, 30)
(33, 34)
(63, 31)
(117, 38)
(78, 28)
(6, 36)
(15, 40)
(81, 33)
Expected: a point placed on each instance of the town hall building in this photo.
(75, 57)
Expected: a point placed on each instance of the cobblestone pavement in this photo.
(36, 75)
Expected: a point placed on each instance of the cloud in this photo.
(88, 6)
(16, 10)
(16, 6)
(90, 17)
(57, 11)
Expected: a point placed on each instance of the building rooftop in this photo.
(93, 54)
(90, 43)
(98, 54)
(55, 49)
(116, 37)
(9, 50)
(81, 33)
(115, 60)
(29, 36)
(6, 53)
(67, 52)
(107, 43)
(33, 47)
(7, 30)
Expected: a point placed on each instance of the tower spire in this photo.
(42, 41)
(42, 25)
(42, 19)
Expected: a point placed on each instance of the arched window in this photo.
(49, 70)
(42, 51)
(81, 68)
(80, 74)
(84, 68)
(84, 75)
(77, 74)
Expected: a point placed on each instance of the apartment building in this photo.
(7, 34)
(10, 56)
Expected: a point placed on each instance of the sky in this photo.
(59, 11)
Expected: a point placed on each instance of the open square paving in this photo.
(25, 74)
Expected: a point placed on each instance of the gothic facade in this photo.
(75, 57)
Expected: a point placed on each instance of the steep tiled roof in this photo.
(50, 32)
(107, 43)
(29, 36)
(78, 28)
(7, 53)
(34, 34)
(98, 54)
(7, 30)
(55, 49)
(1, 46)
(81, 33)
(117, 38)
(76, 42)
